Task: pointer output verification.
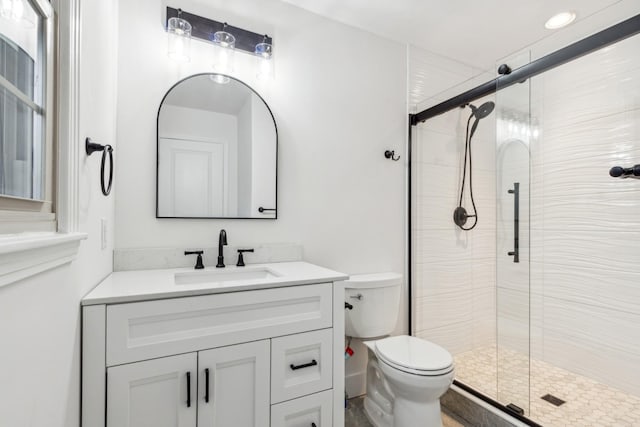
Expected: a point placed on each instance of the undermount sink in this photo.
(222, 277)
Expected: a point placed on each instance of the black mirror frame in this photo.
(275, 125)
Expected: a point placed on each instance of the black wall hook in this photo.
(91, 147)
(391, 154)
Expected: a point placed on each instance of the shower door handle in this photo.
(516, 222)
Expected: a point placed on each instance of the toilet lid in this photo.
(414, 353)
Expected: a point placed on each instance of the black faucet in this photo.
(199, 264)
(222, 241)
(241, 258)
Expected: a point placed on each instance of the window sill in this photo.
(27, 254)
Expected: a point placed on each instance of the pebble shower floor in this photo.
(588, 402)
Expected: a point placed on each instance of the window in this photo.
(26, 116)
(28, 121)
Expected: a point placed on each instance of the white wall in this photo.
(336, 113)
(40, 327)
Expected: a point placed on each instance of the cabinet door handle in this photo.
(188, 389)
(206, 385)
(313, 424)
(306, 365)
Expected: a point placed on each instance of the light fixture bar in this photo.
(204, 28)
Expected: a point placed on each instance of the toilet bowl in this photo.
(405, 375)
(412, 374)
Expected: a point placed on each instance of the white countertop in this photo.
(143, 285)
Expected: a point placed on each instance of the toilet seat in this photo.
(414, 356)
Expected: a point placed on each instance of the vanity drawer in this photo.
(146, 330)
(304, 412)
(301, 364)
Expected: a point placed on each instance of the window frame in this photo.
(18, 215)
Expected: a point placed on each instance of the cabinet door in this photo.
(238, 392)
(153, 393)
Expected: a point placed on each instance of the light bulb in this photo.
(179, 39)
(264, 61)
(223, 52)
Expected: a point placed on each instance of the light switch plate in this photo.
(103, 233)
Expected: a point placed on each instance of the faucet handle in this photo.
(199, 265)
(241, 258)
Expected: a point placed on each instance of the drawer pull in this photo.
(306, 365)
(188, 389)
(206, 385)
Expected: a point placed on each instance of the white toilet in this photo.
(405, 375)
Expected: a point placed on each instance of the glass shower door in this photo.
(514, 134)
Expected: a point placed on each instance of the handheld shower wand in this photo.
(460, 214)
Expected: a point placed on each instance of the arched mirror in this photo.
(217, 151)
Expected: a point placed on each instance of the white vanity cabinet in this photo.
(255, 358)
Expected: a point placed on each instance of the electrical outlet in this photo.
(104, 228)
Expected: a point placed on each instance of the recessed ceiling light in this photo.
(560, 20)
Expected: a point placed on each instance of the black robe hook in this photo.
(391, 154)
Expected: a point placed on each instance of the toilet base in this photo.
(376, 415)
(410, 414)
(405, 414)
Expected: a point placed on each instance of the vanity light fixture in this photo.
(224, 48)
(226, 40)
(560, 20)
(179, 37)
(264, 64)
(12, 9)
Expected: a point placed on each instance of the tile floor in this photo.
(355, 417)
(588, 403)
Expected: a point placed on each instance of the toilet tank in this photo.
(376, 303)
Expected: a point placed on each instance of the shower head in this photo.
(482, 111)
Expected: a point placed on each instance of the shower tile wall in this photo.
(429, 73)
(453, 274)
(585, 228)
(453, 270)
